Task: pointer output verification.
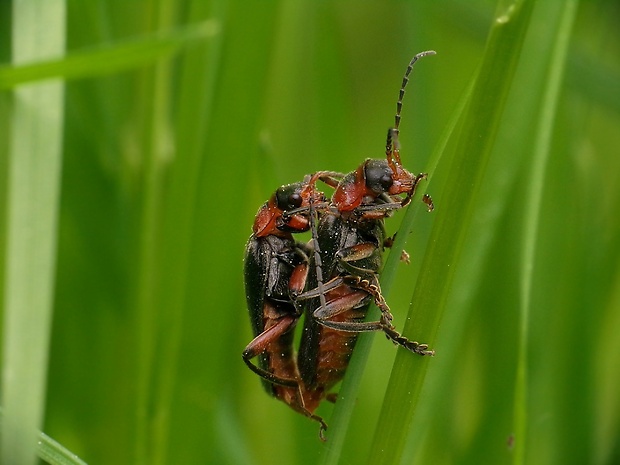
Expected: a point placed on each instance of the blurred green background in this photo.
(166, 161)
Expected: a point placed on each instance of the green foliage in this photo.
(181, 118)
(33, 185)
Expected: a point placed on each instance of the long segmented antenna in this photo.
(318, 264)
(392, 146)
(401, 93)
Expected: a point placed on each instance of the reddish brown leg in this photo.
(259, 344)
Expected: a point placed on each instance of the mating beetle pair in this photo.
(333, 278)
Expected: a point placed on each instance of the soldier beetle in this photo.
(348, 246)
(275, 271)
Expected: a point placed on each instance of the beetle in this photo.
(348, 246)
(275, 270)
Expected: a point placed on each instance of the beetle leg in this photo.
(372, 287)
(297, 283)
(347, 300)
(399, 339)
(356, 252)
(298, 278)
(341, 304)
(260, 343)
(331, 178)
(328, 286)
(288, 214)
(349, 255)
(301, 408)
(323, 427)
(388, 242)
(344, 303)
(294, 398)
(350, 299)
(353, 326)
(429, 202)
(376, 212)
(390, 331)
(385, 323)
(411, 191)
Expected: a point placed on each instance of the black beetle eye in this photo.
(386, 181)
(289, 196)
(294, 201)
(378, 176)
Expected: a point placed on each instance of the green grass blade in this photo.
(52, 451)
(167, 154)
(55, 453)
(339, 422)
(533, 201)
(453, 218)
(33, 197)
(109, 59)
(169, 219)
